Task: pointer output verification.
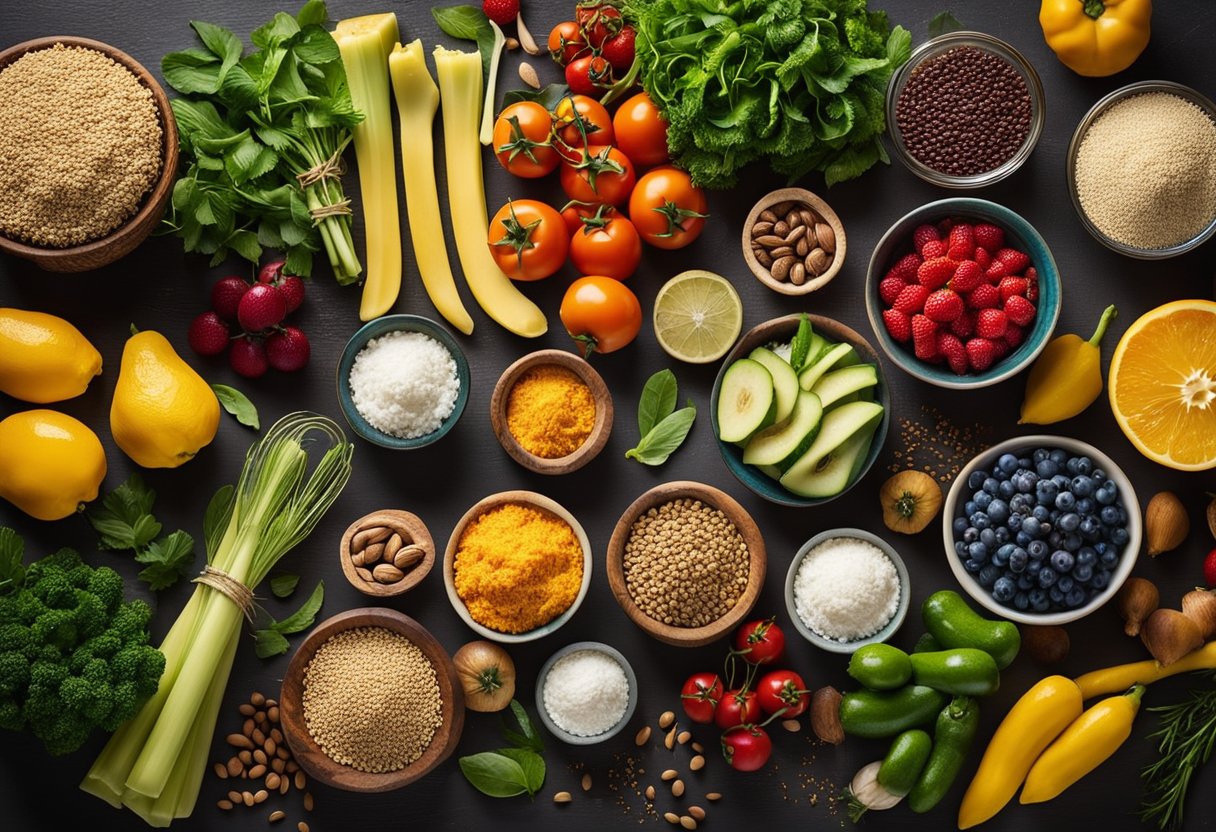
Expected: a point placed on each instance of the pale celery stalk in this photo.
(487, 111)
(417, 100)
(365, 43)
(459, 76)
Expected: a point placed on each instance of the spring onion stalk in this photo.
(365, 43)
(487, 111)
(155, 763)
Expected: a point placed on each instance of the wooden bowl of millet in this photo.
(134, 230)
(501, 399)
(386, 553)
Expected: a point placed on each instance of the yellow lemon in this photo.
(163, 412)
(44, 358)
(50, 463)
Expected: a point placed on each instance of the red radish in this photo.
(208, 334)
(292, 288)
(248, 357)
(226, 295)
(287, 350)
(261, 307)
(272, 272)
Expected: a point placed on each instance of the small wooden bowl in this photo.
(122, 240)
(315, 762)
(687, 636)
(527, 498)
(819, 207)
(599, 431)
(412, 530)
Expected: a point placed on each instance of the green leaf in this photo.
(943, 23)
(245, 243)
(801, 344)
(468, 23)
(281, 28)
(532, 764)
(284, 584)
(166, 561)
(494, 775)
(657, 402)
(267, 643)
(221, 42)
(236, 403)
(314, 45)
(12, 549)
(238, 90)
(526, 737)
(302, 618)
(118, 517)
(548, 97)
(145, 530)
(668, 435)
(215, 519)
(312, 13)
(192, 71)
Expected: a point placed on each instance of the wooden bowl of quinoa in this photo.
(102, 218)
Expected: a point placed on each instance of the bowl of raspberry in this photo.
(962, 293)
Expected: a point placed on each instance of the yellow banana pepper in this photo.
(1096, 37)
(1031, 724)
(1122, 676)
(1066, 378)
(1084, 745)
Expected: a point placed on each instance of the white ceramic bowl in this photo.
(987, 459)
(596, 647)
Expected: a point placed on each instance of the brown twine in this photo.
(229, 587)
(337, 209)
(331, 168)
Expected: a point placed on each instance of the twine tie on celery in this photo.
(229, 587)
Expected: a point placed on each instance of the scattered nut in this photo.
(643, 737)
(650, 792)
(825, 715)
(224, 804)
(670, 739)
(277, 815)
(671, 817)
(697, 747)
(687, 822)
(683, 737)
(586, 782)
(697, 812)
(527, 74)
(666, 719)
(677, 788)
(791, 725)
(697, 763)
(669, 775)
(562, 797)
(308, 802)
(713, 797)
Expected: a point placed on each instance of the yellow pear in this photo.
(44, 358)
(163, 411)
(50, 463)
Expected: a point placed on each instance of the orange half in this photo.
(1162, 384)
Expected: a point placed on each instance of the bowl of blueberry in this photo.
(1042, 529)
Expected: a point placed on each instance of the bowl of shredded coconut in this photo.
(846, 588)
(403, 381)
(586, 692)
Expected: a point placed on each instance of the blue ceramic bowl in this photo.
(782, 330)
(630, 707)
(383, 326)
(1020, 234)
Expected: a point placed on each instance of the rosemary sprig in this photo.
(1187, 736)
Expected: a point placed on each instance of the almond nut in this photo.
(825, 715)
(781, 267)
(798, 273)
(826, 237)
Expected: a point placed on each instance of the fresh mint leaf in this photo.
(532, 765)
(117, 517)
(468, 23)
(663, 440)
(302, 618)
(801, 344)
(283, 585)
(12, 550)
(657, 402)
(166, 561)
(267, 643)
(941, 23)
(548, 96)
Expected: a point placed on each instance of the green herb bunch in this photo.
(1186, 736)
(262, 137)
(512, 771)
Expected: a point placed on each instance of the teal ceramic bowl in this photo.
(630, 705)
(1020, 234)
(383, 326)
(780, 330)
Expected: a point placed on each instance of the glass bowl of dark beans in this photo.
(965, 111)
(1042, 529)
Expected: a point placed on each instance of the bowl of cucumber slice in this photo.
(800, 409)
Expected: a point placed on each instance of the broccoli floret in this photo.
(106, 584)
(14, 673)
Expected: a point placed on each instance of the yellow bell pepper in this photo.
(1084, 745)
(1031, 724)
(1096, 37)
(1066, 378)
(1122, 676)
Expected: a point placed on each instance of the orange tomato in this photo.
(574, 212)
(604, 174)
(668, 210)
(575, 109)
(641, 133)
(566, 42)
(601, 314)
(528, 239)
(522, 140)
(607, 246)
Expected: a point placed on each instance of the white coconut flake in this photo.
(404, 384)
(846, 589)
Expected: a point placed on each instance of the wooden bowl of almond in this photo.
(793, 241)
(387, 553)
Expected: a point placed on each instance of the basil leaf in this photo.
(668, 435)
(657, 402)
(494, 775)
(283, 585)
(302, 618)
(312, 13)
(12, 549)
(269, 643)
(533, 766)
(548, 97)
(236, 403)
(943, 23)
(468, 23)
(215, 519)
(801, 344)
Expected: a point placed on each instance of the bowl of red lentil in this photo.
(965, 111)
(686, 563)
(59, 207)
(551, 412)
(517, 566)
(371, 701)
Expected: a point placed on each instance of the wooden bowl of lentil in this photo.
(402, 530)
(121, 240)
(545, 396)
(505, 547)
(709, 514)
(371, 734)
(795, 206)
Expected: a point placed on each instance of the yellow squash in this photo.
(1066, 378)
(44, 358)
(163, 412)
(50, 463)
(1031, 724)
(1084, 745)
(1096, 37)
(1122, 676)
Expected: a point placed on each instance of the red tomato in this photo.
(641, 133)
(700, 696)
(760, 642)
(607, 246)
(528, 239)
(619, 49)
(598, 22)
(746, 748)
(575, 110)
(737, 707)
(566, 42)
(522, 140)
(783, 690)
(575, 211)
(588, 75)
(605, 174)
(668, 210)
(601, 314)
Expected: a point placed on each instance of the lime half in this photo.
(697, 316)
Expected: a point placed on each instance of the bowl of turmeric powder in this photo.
(551, 412)
(517, 566)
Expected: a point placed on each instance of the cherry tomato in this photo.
(566, 42)
(641, 133)
(737, 707)
(783, 689)
(746, 748)
(574, 110)
(700, 696)
(605, 174)
(760, 642)
(601, 314)
(522, 140)
(588, 75)
(575, 211)
(606, 245)
(668, 210)
(598, 22)
(618, 50)
(528, 239)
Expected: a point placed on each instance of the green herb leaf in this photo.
(548, 97)
(281, 28)
(657, 402)
(663, 440)
(12, 549)
(312, 13)
(314, 45)
(302, 618)
(943, 23)
(532, 764)
(526, 737)
(116, 518)
(284, 584)
(221, 42)
(192, 71)
(494, 774)
(801, 344)
(468, 23)
(166, 561)
(267, 643)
